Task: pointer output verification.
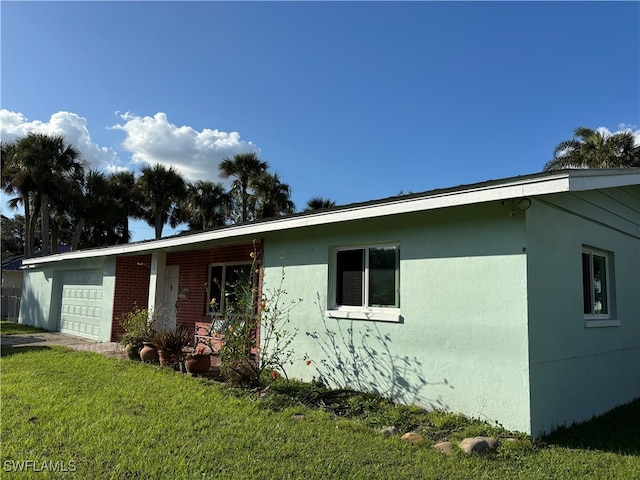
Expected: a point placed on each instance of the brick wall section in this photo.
(131, 288)
(194, 274)
(132, 281)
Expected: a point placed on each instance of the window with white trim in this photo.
(366, 283)
(223, 280)
(596, 285)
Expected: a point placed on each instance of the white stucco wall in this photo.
(577, 371)
(42, 290)
(462, 344)
(36, 299)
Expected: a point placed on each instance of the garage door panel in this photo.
(80, 309)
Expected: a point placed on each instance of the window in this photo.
(223, 280)
(596, 288)
(366, 283)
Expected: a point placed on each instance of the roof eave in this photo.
(517, 187)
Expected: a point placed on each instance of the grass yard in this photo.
(105, 418)
(13, 328)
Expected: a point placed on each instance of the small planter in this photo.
(149, 353)
(170, 342)
(170, 358)
(198, 363)
(133, 351)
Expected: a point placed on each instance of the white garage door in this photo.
(81, 302)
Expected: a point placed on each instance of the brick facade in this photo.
(194, 275)
(132, 281)
(131, 288)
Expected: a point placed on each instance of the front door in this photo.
(170, 303)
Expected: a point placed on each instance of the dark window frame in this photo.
(358, 284)
(223, 295)
(597, 284)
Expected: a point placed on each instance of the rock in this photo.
(297, 417)
(412, 437)
(478, 445)
(389, 431)
(444, 447)
(492, 442)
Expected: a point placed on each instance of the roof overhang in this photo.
(545, 183)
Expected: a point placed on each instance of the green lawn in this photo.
(13, 328)
(108, 418)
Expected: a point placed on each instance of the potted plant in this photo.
(138, 329)
(199, 361)
(132, 345)
(170, 342)
(149, 353)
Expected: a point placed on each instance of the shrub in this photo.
(138, 326)
(242, 359)
(171, 339)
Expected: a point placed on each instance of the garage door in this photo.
(81, 302)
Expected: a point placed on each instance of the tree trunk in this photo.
(55, 227)
(158, 226)
(245, 201)
(34, 220)
(77, 233)
(28, 231)
(126, 229)
(44, 212)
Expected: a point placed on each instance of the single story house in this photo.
(516, 301)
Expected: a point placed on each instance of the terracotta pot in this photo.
(133, 351)
(198, 363)
(169, 358)
(149, 353)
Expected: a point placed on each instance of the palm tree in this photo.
(244, 167)
(206, 205)
(162, 190)
(319, 203)
(62, 203)
(15, 180)
(6, 149)
(88, 203)
(273, 198)
(594, 149)
(127, 196)
(40, 164)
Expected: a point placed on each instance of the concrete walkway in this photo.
(111, 349)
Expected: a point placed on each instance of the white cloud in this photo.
(195, 154)
(150, 140)
(623, 127)
(74, 128)
(116, 169)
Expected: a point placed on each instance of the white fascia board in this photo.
(573, 180)
(590, 180)
(442, 200)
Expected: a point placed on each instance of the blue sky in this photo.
(348, 100)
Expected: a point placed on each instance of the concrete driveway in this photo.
(111, 349)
